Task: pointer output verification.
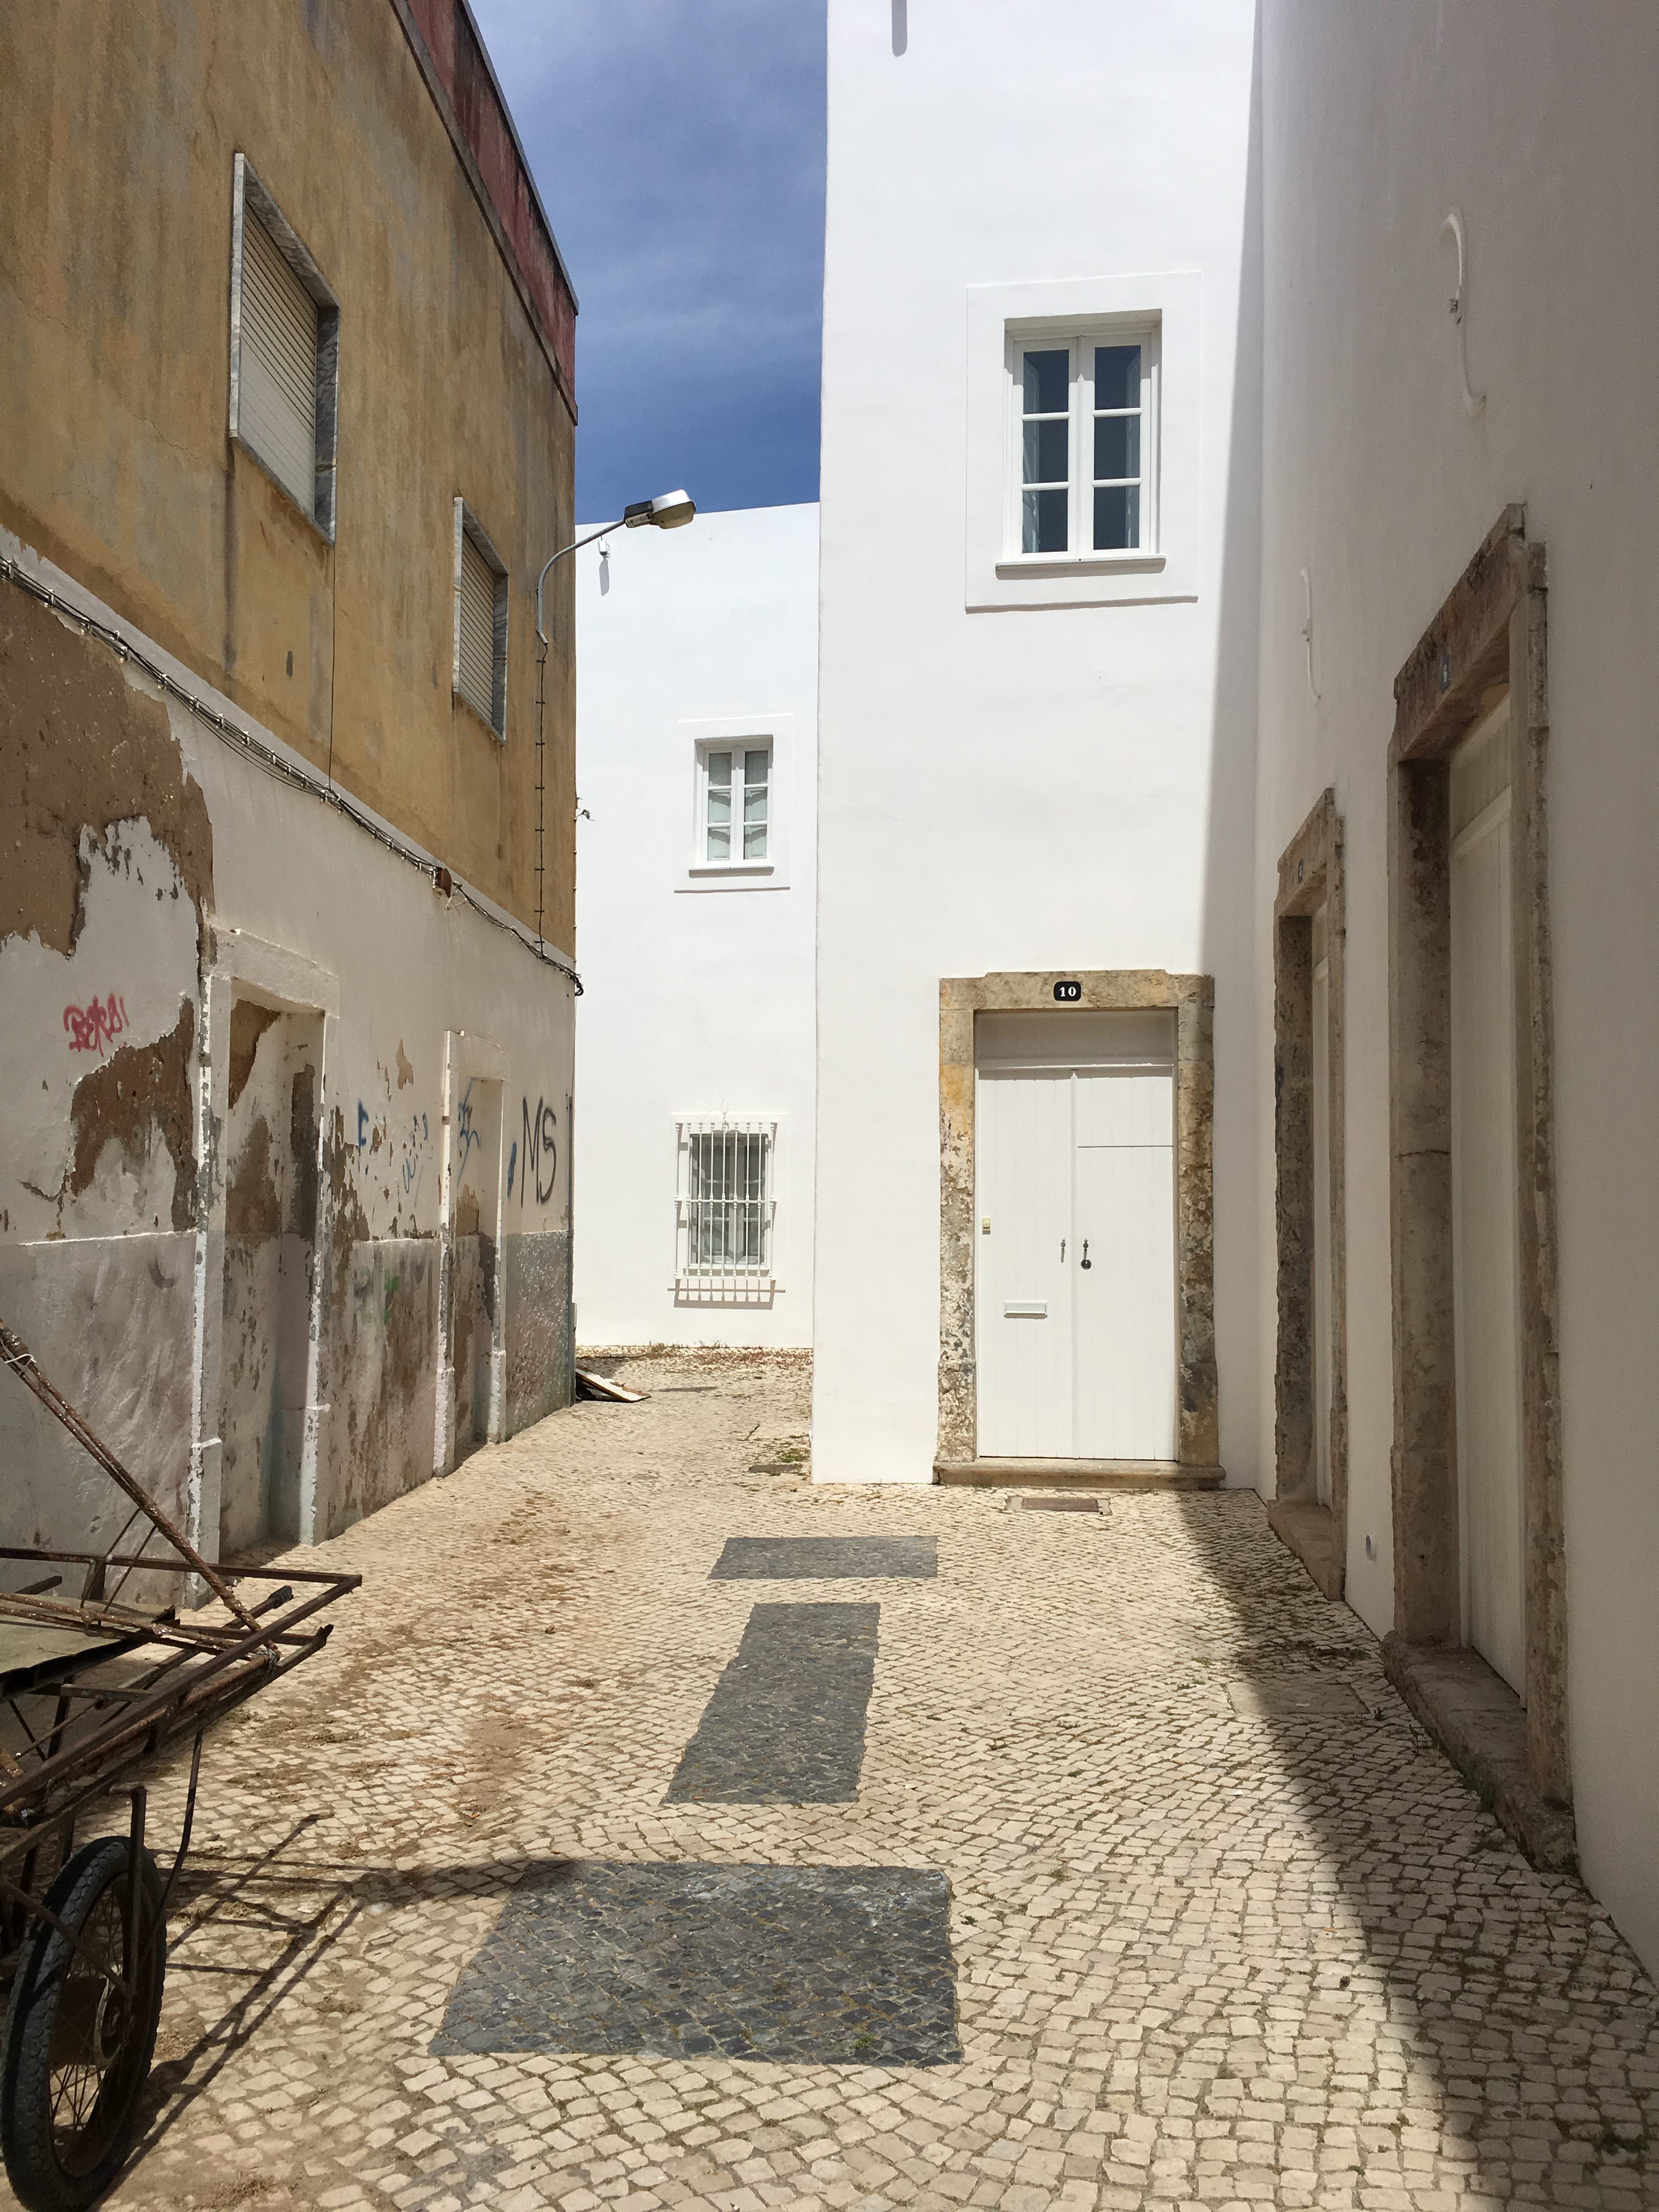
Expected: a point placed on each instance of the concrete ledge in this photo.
(1478, 1720)
(1076, 1474)
(1309, 1529)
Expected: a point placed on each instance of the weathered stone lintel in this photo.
(1481, 1724)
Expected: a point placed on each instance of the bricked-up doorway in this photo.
(1310, 1509)
(1485, 646)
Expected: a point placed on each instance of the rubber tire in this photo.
(38, 2178)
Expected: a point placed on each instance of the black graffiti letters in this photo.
(541, 1150)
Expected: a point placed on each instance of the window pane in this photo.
(754, 839)
(1117, 446)
(755, 767)
(1048, 452)
(754, 803)
(1043, 521)
(1047, 376)
(1117, 376)
(720, 841)
(1117, 519)
(720, 803)
(720, 769)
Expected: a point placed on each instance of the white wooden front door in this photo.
(1075, 1237)
(1485, 1272)
(1321, 1208)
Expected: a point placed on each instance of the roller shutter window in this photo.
(278, 406)
(477, 663)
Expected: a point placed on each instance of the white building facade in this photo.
(1236, 797)
(1037, 700)
(696, 766)
(1458, 509)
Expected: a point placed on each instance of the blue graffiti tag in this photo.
(362, 1125)
(511, 1162)
(467, 1134)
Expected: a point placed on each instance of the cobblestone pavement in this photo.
(1227, 1932)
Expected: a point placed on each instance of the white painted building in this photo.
(696, 760)
(1037, 705)
(1236, 705)
(1528, 1531)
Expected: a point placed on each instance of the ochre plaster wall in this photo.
(115, 460)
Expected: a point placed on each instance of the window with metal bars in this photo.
(725, 1206)
(284, 355)
(480, 671)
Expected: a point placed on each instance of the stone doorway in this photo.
(1485, 647)
(1310, 1509)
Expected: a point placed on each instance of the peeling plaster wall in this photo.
(111, 1198)
(1536, 119)
(1019, 787)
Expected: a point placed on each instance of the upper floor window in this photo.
(480, 643)
(734, 810)
(1085, 445)
(284, 352)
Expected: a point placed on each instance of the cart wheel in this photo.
(78, 2049)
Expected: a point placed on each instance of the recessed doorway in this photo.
(1075, 1236)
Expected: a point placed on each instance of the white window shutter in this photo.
(278, 397)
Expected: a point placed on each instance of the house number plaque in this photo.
(1068, 994)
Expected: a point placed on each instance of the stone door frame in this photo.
(1310, 875)
(1489, 636)
(244, 966)
(1191, 999)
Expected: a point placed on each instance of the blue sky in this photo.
(678, 149)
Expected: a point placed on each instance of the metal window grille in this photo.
(725, 1207)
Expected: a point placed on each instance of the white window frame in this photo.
(467, 526)
(1161, 313)
(719, 1281)
(1081, 411)
(250, 198)
(770, 732)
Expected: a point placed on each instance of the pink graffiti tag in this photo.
(91, 1026)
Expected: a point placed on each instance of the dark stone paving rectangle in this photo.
(826, 1559)
(786, 1723)
(817, 1965)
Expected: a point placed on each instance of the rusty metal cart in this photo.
(93, 1693)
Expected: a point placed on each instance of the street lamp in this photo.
(669, 510)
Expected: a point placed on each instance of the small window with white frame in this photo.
(480, 641)
(284, 352)
(734, 803)
(725, 1206)
(1084, 485)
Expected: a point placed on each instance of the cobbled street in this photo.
(1227, 1931)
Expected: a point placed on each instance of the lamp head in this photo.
(669, 510)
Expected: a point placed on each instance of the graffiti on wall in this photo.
(541, 1153)
(467, 1133)
(96, 1025)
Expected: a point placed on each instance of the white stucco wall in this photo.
(1025, 786)
(1537, 119)
(697, 994)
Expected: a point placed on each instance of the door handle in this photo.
(1087, 1261)
(1062, 1251)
